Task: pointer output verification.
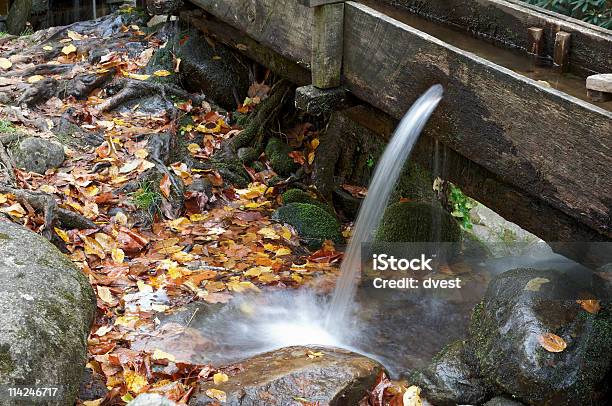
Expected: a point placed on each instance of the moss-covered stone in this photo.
(232, 172)
(414, 222)
(300, 196)
(313, 224)
(247, 155)
(415, 183)
(277, 153)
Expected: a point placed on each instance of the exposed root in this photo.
(134, 89)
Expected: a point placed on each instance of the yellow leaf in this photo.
(62, 234)
(141, 153)
(534, 284)
(268, 278)
(105, 295)
(138, 76)
(314, 143)
(311, 157)
(159, 354)
(14, 210)
(3, 198)
(254, 190)
(198, 217)
(96, 402)
(216, 394)
(282, 251)
(134, 381)
(193, 148)
(143, 287)
(35, 78)
(162, 73)
(312, 354)
(220, 377)
(412, 396)
(268, 233)
(552, 342)
(240, 287)
(48, 48)
(93, 247)
(68, 49)
(74, 35)
(285, 233)
(5, 63)
(125, 321)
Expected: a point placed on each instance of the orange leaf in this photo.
(590, 305)
(164, 186)
(552, 342)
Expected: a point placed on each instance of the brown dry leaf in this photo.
(552, 342)
(590, 305)
(164, 186)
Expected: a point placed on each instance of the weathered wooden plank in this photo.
(248, 46)
(530, 212)
(326, 62)
(283, 25)
(506, 22)
(539, 140)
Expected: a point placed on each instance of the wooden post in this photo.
(561, 54)
(326, 57)
(536, 43)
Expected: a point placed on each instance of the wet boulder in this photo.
(277, 153)
(328, 376)
(534, 339)
(502, 401)
(451, 378)
(300, 196)
(46, 309)
(38, 155)
(414, 222)
(313, 224)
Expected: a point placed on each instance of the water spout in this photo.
(385, 177)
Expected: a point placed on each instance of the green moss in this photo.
(414, 183)
(232, 172)
(6, 127)
(300, 196)
(4, 236)
(277, 153)
(414, 222)
(7, 364)
(312, 223)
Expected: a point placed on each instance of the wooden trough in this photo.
(535, 154)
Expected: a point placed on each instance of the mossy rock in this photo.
(277, 153)
(300, 196)
(232, 172)
(522, 305)
(415, 183)
(313, 224)
(413, 222)
(247, 155)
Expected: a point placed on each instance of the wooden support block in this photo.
(327, 42)
(561, 53)
(317, 101)
(536, 40)
(315, 3)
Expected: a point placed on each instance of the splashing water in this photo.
(385, 177)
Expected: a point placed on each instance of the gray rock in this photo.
(317, 101)
(38, 155)
(451, 378)
(502, 401)
(46, 309)
(522, 305)
(151, 399)
(337, 377)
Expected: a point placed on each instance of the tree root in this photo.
(134, 89)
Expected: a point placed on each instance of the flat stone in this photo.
(600, 83)
(333, 377)
(317, 101)
(38, 155)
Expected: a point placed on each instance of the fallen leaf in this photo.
(68, 49)
(105, 295)
(162, 73)
(552, 342)
(164, 186)
(412, 396)
(216, 394)
(159, 354)
(5, 63)
(35, 78)
(220, 378)
(534, 284)
(590, 305)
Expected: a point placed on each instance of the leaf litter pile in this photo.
(216, 245)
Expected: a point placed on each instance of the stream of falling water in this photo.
(385, 177)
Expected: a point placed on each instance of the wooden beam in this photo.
(549, 145)
(326, 62)
(562, 47)
(506, 23)
(536, 43)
